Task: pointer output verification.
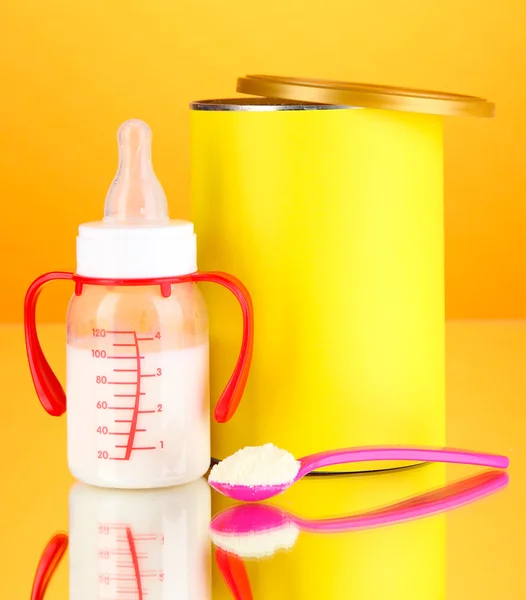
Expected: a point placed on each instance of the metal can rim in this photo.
(257, 104)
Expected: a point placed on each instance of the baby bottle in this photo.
(137, 377)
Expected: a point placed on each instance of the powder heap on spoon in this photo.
(253, 466)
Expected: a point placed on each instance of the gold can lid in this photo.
(365, 95)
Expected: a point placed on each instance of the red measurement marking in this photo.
(135, 416)
(128, 565)
(144, 537)
(123, 345)
(146, 412)
(123, 421)
(145, 339)
(122, 382)
(149, 375)
(125, 370)
(123, 332)
(124, 432)
(121, 407)
(131, 541)
(152, 571)
(138, 447)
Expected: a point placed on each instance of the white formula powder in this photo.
(256, 466)
(258, 544)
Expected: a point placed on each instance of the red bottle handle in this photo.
(48, 564)
(235, 574)
(231, 396)
(47, 386)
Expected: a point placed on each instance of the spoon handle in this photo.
(404, 453)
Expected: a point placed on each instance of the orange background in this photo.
(71, 72)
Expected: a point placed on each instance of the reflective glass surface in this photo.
(428, 532)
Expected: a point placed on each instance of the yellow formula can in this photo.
(326, 200)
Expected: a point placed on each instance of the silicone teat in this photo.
(135, 196)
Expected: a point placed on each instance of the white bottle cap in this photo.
(136, 239)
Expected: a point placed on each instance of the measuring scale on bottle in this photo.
(127, 387)
(127, 377)
(134, 545)
(137, 339)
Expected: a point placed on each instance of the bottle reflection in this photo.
(134, 545)
(371, 563)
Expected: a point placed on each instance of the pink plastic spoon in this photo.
(255, 493)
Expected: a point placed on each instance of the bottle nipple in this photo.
(136, 196)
